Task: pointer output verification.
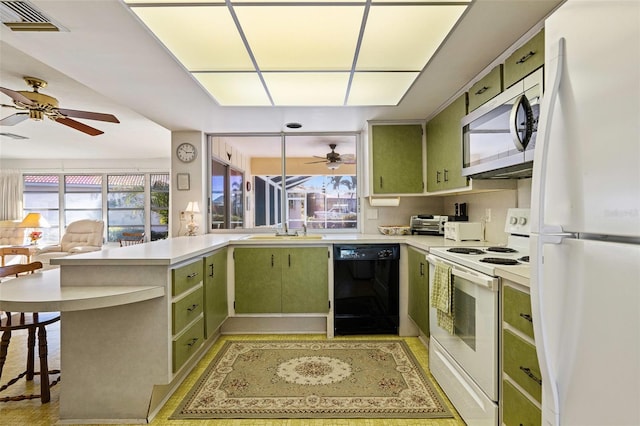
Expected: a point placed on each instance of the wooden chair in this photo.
(131, 238)
(32, 322)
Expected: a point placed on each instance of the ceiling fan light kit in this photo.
(38, 105)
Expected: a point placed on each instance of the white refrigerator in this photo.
(585, 216)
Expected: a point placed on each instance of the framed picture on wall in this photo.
(183, 182)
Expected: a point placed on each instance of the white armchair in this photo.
(80, 237)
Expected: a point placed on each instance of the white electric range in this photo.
(465, 362)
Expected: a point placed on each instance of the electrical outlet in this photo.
(487, 215)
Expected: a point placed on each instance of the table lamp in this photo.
(34, 221)
(192, 208)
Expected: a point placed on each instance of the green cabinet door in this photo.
(305, 280)
(444, 148)
(396, 154)
(419, 290)
(215, 290)
(258, 280)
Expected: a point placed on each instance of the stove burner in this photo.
(465, 250)
(502, 249)
(499, 261)
(524, 259)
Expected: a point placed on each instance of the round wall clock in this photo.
(186, 152)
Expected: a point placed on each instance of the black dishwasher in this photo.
(366, 288)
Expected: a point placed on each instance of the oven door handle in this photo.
(468, 274)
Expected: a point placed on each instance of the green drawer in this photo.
(186, 310)
(489, 86)
(187, 344)
(517, 310)
(525, 60)
(185, 277)
(517, 410)
(521, 364)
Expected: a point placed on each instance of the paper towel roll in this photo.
(384, 202)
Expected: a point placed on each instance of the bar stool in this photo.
(32, 322)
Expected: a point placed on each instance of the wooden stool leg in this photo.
(45, 393)
(31, 345)
(4, 347)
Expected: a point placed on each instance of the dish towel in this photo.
(442, 297)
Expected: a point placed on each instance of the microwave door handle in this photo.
(521, 143)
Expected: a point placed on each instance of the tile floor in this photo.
(33, 413)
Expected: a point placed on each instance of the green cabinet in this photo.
(396, 157)
(486, 88)
(215, 290)
(521, 377)
(418, 289)
(281, 280)
(444, 148)
(528, 58)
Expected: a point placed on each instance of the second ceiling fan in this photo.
(333, 159)
(36, 106)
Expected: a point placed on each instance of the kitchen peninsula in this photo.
(133, 320)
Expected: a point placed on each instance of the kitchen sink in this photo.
(284, 237)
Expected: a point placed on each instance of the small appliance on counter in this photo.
(463, 231)
(428, 224)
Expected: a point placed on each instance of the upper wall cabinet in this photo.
(489, 86)
(397, 165)
(525, 60)
(444, 148)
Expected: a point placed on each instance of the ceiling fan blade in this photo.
(315, 162)
(79, 126)
(16, 96)
(9, 106)
(88, 115)
(13, 135)
(14, 119)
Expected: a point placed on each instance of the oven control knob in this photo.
(522, 221)
(513, 220)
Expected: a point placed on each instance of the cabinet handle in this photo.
(380, 181)
(192, 307)
(482, 90)
(526, 57)
(192, 342)
(272, 261)
(195, 274)
(438, 176)
(446, 175)
(528, 372)
(421, 269)
(526, 316)
(211, 267)
(289, 255)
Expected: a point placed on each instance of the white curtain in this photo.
(10, 194)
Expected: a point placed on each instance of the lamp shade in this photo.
(34, 220)
(193, 207)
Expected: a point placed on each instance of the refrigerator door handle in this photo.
(542, 151)
(551, 415)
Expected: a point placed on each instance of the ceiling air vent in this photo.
(21, 16)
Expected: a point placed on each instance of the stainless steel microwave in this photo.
(499, 137)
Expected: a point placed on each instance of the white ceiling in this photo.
(108, 62)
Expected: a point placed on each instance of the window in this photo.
(41, 195)
(315, 185)
(126, 201)
(227, 193)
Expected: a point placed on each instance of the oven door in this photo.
(474, 344)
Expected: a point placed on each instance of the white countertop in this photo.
(175, 250)
(519, 274)
(41, 292)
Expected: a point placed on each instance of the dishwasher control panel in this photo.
(367, 252)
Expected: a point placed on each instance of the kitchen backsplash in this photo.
(498, 202)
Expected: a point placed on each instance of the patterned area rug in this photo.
(319, 379)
